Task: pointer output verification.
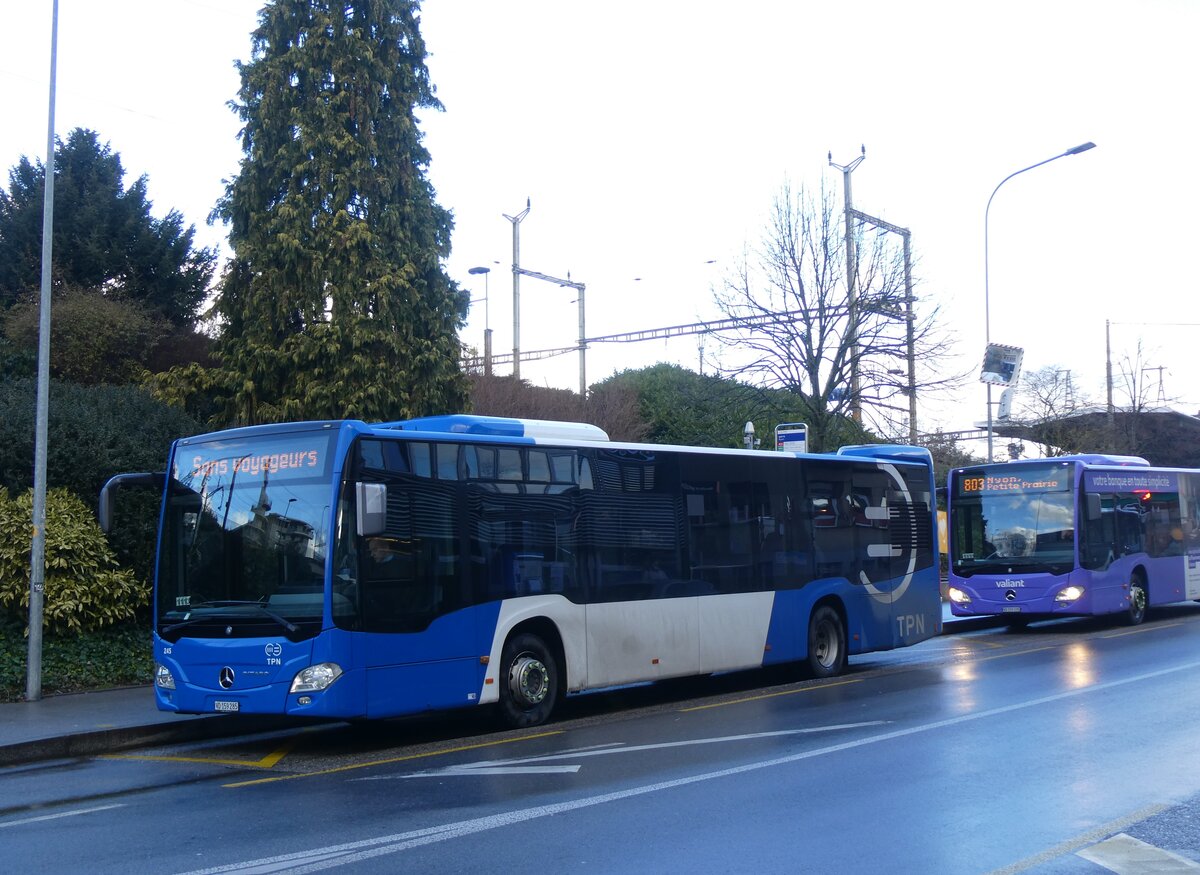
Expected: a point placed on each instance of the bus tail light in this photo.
(958, 596)
(316, 677)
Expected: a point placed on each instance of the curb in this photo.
(102, 741)
(971, 624)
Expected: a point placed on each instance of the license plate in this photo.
(1014, 609)
(226, 706)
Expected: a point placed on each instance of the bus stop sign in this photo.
(791, 437)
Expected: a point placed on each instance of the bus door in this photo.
(871, 496)
(1111, 543)
(420, 644)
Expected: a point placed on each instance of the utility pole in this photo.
(516, 270)
(579, 288)
(851, 277)
(1112, 415)
(909, 316)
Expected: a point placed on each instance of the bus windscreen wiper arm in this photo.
(258, 606)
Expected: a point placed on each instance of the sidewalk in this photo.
(106, 721)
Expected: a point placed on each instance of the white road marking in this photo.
(1075, 843)
(522, 765)
(365, 849)
(75, 813)
(1126, 855)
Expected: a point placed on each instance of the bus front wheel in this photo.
(529, 679)
(826, 643)
(1137, 600)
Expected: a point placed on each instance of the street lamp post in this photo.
(487, 322)
(987, 323)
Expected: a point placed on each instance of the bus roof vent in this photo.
(535, 429)
(1102, 459)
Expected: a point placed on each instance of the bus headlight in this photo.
(163, 679)
(316, 677)
(958, 596)
(1069, 594)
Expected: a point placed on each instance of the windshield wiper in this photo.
(287, 624)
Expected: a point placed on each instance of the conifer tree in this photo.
(336, 302)
(105, 239)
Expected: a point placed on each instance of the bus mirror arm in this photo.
(144, 480)
(1094, 511)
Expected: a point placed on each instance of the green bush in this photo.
(94, 433)
(86, 589)
(115, 657)
(93, 339)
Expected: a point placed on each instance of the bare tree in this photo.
(1050, 404)
(798, 274)
(1144, 394)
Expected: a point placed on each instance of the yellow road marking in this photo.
(1138, 629)
(994, 644)
(389, 760)
(267, 762)
(769, 696)
(1087, 838)
(1014, 653)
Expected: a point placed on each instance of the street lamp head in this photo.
(1083, 147)
(479, 270)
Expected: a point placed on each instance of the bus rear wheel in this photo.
(1137, 600)
(529, 681)
(826, 643)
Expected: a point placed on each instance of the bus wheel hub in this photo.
(528, 680)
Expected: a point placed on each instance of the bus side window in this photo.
(418, 452)
(447, 461)
(827, 493)
(1130, 529)
(1097, 548)
(508, 464)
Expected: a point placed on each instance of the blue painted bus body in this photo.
(230, 654)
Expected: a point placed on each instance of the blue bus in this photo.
(341, 569)
(1072, 536)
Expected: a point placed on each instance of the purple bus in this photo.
(1072, 536)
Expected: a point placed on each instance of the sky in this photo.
(650, 139)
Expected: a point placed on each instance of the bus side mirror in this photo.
(372, 508)
(1093, 506)
(108, 491)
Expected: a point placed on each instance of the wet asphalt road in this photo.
(1060, 749)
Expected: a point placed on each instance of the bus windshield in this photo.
(1007, 519)
(245, 537)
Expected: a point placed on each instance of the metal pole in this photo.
(909, 318)
(1075, 150)
(851, 292)
(487, 319)
(37, 552)
(582, 346)
(516, 268)
(487, 327)
(1112, 419)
